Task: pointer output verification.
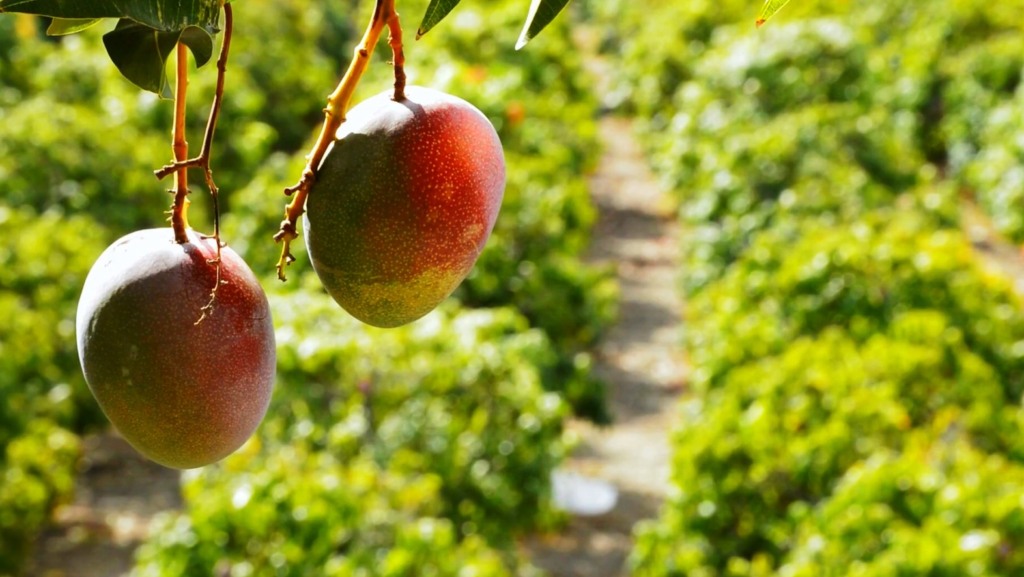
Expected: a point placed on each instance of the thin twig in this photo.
(334, 116)
(203, 159)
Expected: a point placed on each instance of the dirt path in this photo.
(640, 359)
(993, 248)
(117, 493)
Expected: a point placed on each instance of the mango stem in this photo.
(179, 208)
(398, 58)
(334, 115)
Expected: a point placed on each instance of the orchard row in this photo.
(429, 444)
(855, 403)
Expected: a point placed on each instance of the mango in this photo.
(184, 388)
(404, 202)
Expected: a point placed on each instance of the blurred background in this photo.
(765, 283)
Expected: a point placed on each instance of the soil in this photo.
(998, 252)
(117, 494)
(640, 359)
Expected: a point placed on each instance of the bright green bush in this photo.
(940, 508)
(921, 83)
(61, 156)
(41, 267)
(37, 468)
(973, 83)
(757, 453)
(785, 124)
(830, 162)
(458, 395)
(859, 277)
(44, 395)
(667, 41)
(293, 510)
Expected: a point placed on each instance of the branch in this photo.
(203, 159)
(334, 116)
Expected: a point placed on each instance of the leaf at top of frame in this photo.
(65, 26)
(768, 10)
(162, 15)
(542, 12)
(436, 11)
(140, 52)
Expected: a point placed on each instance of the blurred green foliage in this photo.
(856, 393)
(459, 396)
(440, 438)
(757, 455)
(937, 508)
(793, 283)
(915, 82)
(38, 468)
(42, 267)
(320, 517)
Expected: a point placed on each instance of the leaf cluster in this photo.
(144, 36)
(913, 90)
(807, 368)
(147, 31)
(856, 394)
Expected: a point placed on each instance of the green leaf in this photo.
(145, 35)
(199, 42)
(769, 9)
(542, 12)
(436, 12)
(163, 15)
(140, 52)
(65, 26)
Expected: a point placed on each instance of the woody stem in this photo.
(334, 115)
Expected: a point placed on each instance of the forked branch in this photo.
(203, 160)
(384, 14)
(182, 163)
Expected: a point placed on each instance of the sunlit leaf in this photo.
(65, 26)
(542, 12)
(436, 12)
(163, 15)
(145, 34)
(769, 9)
(140, 52)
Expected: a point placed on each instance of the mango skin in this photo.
(404, 202)
(183, 394)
